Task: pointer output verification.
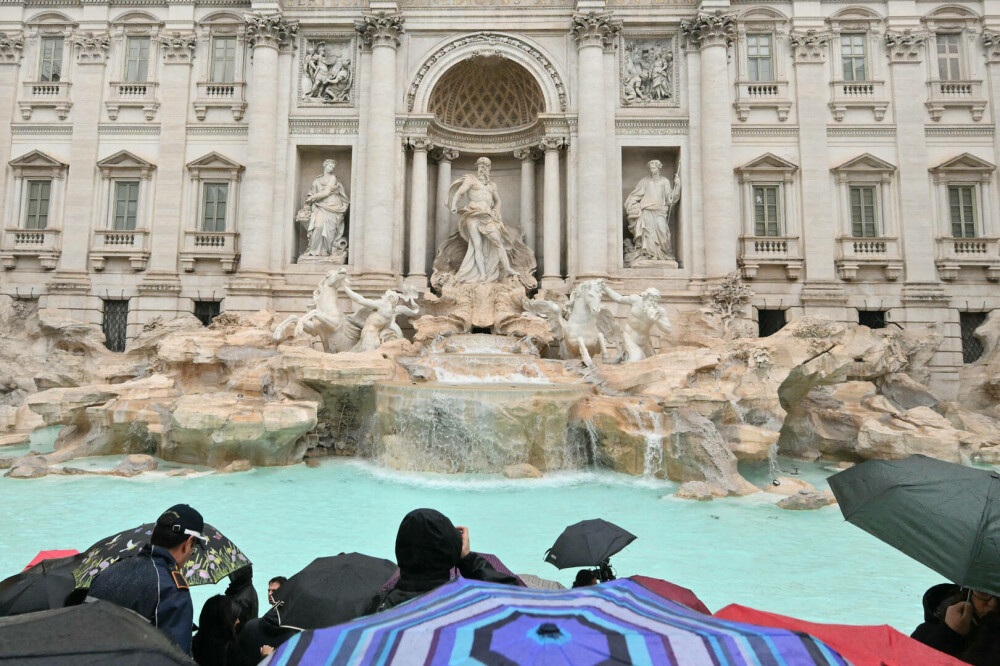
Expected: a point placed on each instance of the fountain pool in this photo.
(745, 550)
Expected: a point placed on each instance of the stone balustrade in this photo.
(757, 251)
(954, 254)
(845, 95)
(136, 95)
(131, 245)
(45, 94)
(43, 244)
(881, 251)
(220, 95)
(942, 95)
(221, 246)
(762, 94)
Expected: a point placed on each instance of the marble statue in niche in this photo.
(648, 209)
(647, 71)
(323, 216)
(327, 74)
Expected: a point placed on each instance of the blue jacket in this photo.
(150, 584)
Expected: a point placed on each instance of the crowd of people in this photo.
(960, 622)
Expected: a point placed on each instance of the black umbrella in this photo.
(943, 515)
(36, 589)
(92, 633)
(331, 590)
(588, 543)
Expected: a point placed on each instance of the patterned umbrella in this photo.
(209, 563)
(470, 622)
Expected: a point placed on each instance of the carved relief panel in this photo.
(648, 70)
(327, 68)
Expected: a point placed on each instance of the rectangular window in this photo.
(765, 211)
(115, 324)
(872, 318)
(949, 58)
(759, 58)
(36, 213)
(214, 207)
(962, 204)
(136, 59)
(852, 49)
(50, 67)
(769, 322)
(126, 204)
(223, 59)
(864, 223)
(972, 347)
(206, 311)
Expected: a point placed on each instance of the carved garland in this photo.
(488, 38)
(715, 29)
(11, 44)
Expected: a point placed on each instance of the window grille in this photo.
(223, 60)
(872, 318)
(972, 348)
(759, 58)
(863, 212)
(852, 50)
(50, 65)
(115, 324)
(769, 322)
(765, 207)
(962, 204)
(206, 311)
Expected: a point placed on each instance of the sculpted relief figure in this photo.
(645, 313)
(582, 326)
(323, 214)
(648, 72)
(648, 209)
(379, 316)
(326, 73)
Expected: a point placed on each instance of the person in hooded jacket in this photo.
(242, 595)
(259, 638)
(953, 617)
(215, 642)
(428, 547)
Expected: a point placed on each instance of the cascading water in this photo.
(649, 424)
(772, 463)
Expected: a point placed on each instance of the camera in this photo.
(605, 572)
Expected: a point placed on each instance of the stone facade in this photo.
(830, 151)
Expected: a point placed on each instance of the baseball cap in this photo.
(183, 519)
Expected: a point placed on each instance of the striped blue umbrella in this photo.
(469, 623)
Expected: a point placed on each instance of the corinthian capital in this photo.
(715, 29)
(11, 44)
(809, 46)
(178, 48)
(270, 30)
(596, 29)
(380, 29)
(91, 47)
(904, 46)
(991, 42)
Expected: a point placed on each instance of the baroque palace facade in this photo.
(157, 156)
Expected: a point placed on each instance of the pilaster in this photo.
(11, 45)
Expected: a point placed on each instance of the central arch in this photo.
(486, 93)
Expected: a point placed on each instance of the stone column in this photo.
(991, 44)
(265, 34)
(417, 275)
(11, 45)
(442, 214)
(594, 32)
(713, 33)
(527, 157)
(379, 31)
(551, 214)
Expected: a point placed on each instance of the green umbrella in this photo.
(943, 515)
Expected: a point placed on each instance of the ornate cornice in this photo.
(32, 129)
(380, 29)
(91, 47)
(759, 131)
(596, 29)
(904, 46)
(217, 130)
(11, 44)
(651, 126)
(809, 46)
(322, 125)
(148, 130)
(991, 42)
(178, 48)
(715, 29)
(269, 30)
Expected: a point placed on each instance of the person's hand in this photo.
(466, 549)
(266, 650)
(959, 617)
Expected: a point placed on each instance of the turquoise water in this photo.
(809, 564)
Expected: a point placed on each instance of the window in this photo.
(872, 318)
(214, 209)
(852, 49)
(863, 212)
(126, 204)
(50, 67)
(206, 311)
(769, 322)
(766, 221)
(36, 215)
(759, 58)
(962, 206)
(972, 347)
(115, 324)
(136, 59)
(949, 59)
(223, 60)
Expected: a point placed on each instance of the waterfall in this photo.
(649, 425)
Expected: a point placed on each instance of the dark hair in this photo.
(985, 647)
(585, 577)
(165, 537)
(216, 630)
(280, 580)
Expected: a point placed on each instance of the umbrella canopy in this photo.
(92, 633)
(331, 590)
(862, 645)
(472, 622)
(668, 590)
(455, 573)
(943, 515)
(587, 544)
(31, 590)
(51, 555)
(209, 563)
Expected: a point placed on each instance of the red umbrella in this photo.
(668, 590)
(862, 645)
(50, 555)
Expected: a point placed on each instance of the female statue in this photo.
(327, 204)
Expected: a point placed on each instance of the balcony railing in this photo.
(942, 95)
(883, 251)
(858, 94)
(762, 94)
(45, 94)
(220, 95)
(129, 244)
(760, 251)
(40, 243)
(953, 254)
(208, 245)
(140, 95)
